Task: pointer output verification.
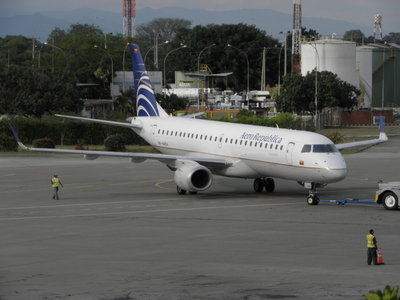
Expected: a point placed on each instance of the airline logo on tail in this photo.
(146, 103)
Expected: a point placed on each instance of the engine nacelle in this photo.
(192, 177)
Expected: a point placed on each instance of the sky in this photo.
(355, 11)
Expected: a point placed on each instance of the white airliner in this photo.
(195, 149)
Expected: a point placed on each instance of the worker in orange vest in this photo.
(372, 246)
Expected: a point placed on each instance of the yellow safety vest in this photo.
(370, 241)
(56, 182)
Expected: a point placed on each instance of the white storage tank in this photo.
(334, 55)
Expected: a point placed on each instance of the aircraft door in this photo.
(289, 153)
(220, 140)
(154, 133)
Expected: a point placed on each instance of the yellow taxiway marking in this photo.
(158, 184)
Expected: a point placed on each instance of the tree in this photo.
(392, 37)
(165, 28)
(297, 93)
(247, 43)
(354, 35)
(172, 103)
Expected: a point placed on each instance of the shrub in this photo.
(115, 142)
(7, 143)
(387, 294)
(43, 143)
(335, 137)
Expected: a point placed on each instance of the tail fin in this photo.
(146, 103)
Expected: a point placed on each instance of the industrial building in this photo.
(331, 54)
(379, 68)
(373, 68)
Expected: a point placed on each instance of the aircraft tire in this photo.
(390, 201)
(258, 185)
(180, 191)
(269, 185)
(312, 200)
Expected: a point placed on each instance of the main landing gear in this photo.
(261, 183)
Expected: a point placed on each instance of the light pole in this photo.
(123, 68)
(198, 70)
(165, 59)
(383, 78)
(316, 83)
(112, 62)
(279, 71)
(58, 48)
(285, 45)
(264, 67)
(248, 69)
(148, 50)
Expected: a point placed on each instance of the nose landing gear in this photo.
(312, 198)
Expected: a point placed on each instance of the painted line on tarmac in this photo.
(145, 211)
(158, 184)
(88, 204)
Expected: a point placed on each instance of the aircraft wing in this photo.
(212, 163)
(112, 123)
(382, 138)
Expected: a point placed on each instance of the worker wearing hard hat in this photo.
(372, 246)
(56, 183)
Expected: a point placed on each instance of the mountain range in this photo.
(39, 25)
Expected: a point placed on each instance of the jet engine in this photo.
(192, 177)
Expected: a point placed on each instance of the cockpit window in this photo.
(306, 148)
(324, 148)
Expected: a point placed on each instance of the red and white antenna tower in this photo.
(378, 27)
(129, 15)
(296, 37)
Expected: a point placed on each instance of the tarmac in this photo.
(121, 232)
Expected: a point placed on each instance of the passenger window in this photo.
(196, 136)
(245, 143)
(271, 146)
(159, 131)
(250, 144)
(162, 132)
(306, 149)
(241, 142)
(215, 139)
(255, 144)
(261, 144)
(236, 142)
(276, 147)
(231, 141)
(281, 147)
(220, 139)
(226, 140)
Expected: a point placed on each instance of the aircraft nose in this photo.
(335, 175)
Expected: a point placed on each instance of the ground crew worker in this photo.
(56, 183)
(372, 246)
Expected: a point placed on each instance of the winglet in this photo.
(17, 137)
(382, 134)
